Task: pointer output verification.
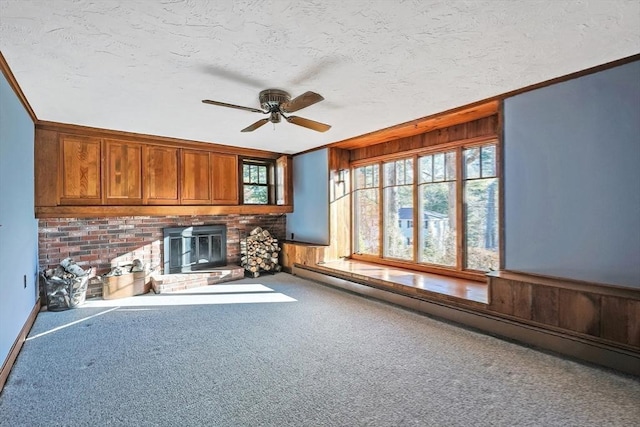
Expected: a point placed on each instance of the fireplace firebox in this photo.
(195, 248)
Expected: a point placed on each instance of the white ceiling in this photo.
(145, 65)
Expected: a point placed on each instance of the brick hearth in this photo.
(104, 243)
(182, 281)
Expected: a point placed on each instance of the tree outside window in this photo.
(256, 182)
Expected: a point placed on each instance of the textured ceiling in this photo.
(145, 65)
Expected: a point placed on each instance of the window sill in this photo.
(470, 275)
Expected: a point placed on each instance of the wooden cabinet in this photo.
(46, 165)
(224, 179)
(196, 178)
(160, 166)
(123, 173)
(80, 171)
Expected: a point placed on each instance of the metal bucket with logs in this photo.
(65, 286)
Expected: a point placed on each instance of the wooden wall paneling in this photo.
(579, 311)
(338, 159)
(501, 296)
(440, 136)
(80, 170)
(423, 125)
(300, 253)
(46, 163)
(160, 169)
(483, 128)
(285, 257)
(544, 305)
(486, 126)
(459, 132)
(224, 179)
(339, 205)
(614, 318)
(196, 178)
(123, 173)
(521, 299)
(510, 297)
(611, 313)
(633, 327)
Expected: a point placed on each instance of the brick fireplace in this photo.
(108, 242)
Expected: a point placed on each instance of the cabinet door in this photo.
(123, 172)
(160, 169)
(225, 183)
(80, 170)
(196, 178)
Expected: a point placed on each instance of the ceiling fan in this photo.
(276, 103)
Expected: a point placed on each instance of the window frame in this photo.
(400, 180)
(458, 146)
(376, 176)
(270, 185)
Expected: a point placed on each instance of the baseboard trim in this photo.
(574, 347)
(17, 345)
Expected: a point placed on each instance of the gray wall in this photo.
(309, 221)
(572, 178)
(19, 228)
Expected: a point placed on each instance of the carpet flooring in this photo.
(284, 351)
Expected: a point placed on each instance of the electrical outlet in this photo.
(292, 234)
(24, 280)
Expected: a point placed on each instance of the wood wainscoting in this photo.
(607, 314)
(300, 253)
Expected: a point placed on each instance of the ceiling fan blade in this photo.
(300, 102)
(255, 126)
(239, 107)
(311, 124)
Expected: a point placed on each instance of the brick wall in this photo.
(108, 242)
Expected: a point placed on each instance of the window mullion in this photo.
(460, 231)
(417, 227)
(381, 209)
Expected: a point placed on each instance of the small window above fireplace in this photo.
(257, 182)
(194, 248)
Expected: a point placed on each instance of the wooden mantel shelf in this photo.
(115, 211)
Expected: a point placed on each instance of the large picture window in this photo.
(438, 209)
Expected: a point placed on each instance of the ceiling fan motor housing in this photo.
(270, 99)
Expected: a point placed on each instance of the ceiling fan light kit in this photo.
(276, 103)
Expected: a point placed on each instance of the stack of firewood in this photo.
(259, 252)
